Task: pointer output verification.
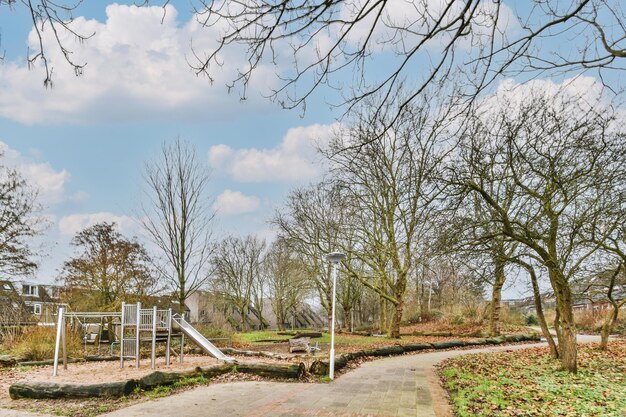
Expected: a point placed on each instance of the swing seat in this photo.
(91, 338)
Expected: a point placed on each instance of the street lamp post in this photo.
(334, 258)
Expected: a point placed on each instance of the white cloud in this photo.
(584, 94)
(74, 223)
(137, 68)
(235, 202)
(293, 159)
(50, 182)
(403, 24)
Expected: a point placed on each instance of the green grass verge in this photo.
(340, 339)
(528, 383)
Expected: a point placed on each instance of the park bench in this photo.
(302, 344)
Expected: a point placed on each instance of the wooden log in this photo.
(230, 351)
(435, 334)
(217, 370)
(8, 360)
(367, 334)
(514, 338)
(476, 342)
(312, 335)
(101, 358)
(286, 333)
(495, 340)
(320, 368)
(414, 347)
(388, 351)
(48, 390)
(273, 370)
(158, 378)
(449, 344)
(49, 362)
(271, 341)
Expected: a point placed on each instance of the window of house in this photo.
(35, 309)
(30, 290)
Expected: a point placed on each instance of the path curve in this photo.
(396, 386)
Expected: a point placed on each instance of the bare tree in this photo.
(237, 264)
(18, 223)
(389, 184)
(554, 153)
(53, 19)
(425, 40)
(288, 281)
(312, 224)
(617, 279)
(468, 230)
(605, 285)
(177, 217)
(541, 318)
(349, 292)
(331, 39)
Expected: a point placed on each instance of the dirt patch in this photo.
(95, 372)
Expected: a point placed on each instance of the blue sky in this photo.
(88, 159)
(84, 142)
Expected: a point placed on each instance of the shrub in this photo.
(211, 332)
(37, 343)
(512, 316)
(531, 320)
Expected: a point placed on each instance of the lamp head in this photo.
(335, 257)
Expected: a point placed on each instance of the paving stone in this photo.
(389, 387)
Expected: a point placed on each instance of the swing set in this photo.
(132, 326)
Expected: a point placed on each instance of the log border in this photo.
(320, 368)
(48, 390)
(52, 390)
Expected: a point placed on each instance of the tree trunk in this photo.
(347, 313)
(394, 327)
(244, 324)
(605, 332)
(540, 316)
(382, 316)
(496, 299)
(181, 303)
(612, 318)
(566, 333)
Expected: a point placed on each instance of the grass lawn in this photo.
(528, 383)
(340, 339)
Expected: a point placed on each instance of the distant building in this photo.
(209, 308)
(41, 301)
(12, 308)
(597, 302)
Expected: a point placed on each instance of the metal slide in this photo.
(200, 340)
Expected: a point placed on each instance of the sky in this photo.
(85, 141)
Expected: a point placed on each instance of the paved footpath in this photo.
(397, 386)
